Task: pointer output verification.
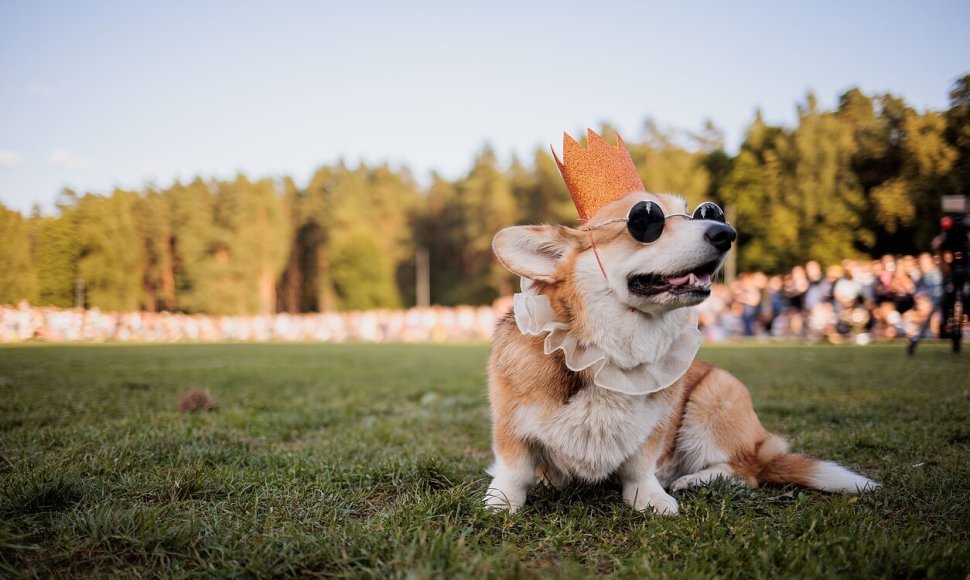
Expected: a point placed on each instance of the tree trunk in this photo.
(289, 288)
(267, 292)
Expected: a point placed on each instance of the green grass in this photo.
(357, 460)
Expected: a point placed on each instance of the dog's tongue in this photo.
(693, 279)
(680, 281)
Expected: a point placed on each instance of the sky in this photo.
(101, 94)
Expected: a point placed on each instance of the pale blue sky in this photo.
(97, 94)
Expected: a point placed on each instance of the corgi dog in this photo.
(593, 375)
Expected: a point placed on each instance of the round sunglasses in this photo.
(646, 220)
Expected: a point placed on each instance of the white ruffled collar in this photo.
(534, 316)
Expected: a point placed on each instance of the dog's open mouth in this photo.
(695, 281)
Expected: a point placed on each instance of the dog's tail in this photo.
(774, 463)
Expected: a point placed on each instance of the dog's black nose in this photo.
(721, 236)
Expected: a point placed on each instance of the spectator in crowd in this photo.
(749, 296)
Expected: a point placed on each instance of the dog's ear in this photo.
(535, 251)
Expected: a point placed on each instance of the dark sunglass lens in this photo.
(709, 211)
(646, 222)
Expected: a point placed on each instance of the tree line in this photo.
(862, 179)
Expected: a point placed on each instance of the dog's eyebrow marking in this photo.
(682, 200)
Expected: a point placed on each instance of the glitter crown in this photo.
(597, 174)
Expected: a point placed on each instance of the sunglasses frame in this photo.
(688, 217)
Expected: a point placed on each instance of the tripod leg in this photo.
(956, 330)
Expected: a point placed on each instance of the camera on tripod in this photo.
(954, 225)
(956, 204)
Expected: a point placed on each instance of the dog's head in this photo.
(671, 271)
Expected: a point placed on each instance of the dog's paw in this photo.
(652, 497)
(499, 500)
(705, 476)
(688, 482)
(661, 504)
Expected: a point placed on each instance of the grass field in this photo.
(361, 460)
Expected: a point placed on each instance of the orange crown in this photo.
(597, 174)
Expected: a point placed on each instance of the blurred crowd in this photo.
(436, 324)
(857, 301)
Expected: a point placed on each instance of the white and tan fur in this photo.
(554, 425)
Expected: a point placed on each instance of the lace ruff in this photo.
(534, 316)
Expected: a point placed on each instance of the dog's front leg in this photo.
(514, 472)
(641, 488)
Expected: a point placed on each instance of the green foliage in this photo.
(288, 288)
(958, 136)
(666, 166)
(368, 461)
(341, 205)
(753, 190)
(362, 274)
(55, 258)
(439, 228)
(254, 235)
(230, 241)
(110, 251)
(824, 193)
(909, 200)
(864, 179)
(485, 205)
(18, 279)
(540, 192)
(154, 215)
(193, 242)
